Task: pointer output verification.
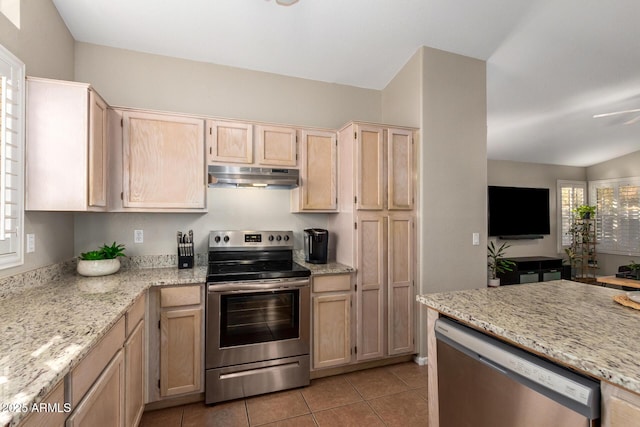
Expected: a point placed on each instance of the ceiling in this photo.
(551, 64)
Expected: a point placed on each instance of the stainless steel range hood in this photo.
(240, 176)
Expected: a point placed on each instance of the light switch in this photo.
(476, 239)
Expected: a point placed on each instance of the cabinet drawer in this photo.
(331, 283)
(55, 399)
(135, 314)
(86, 373)
(178, 296)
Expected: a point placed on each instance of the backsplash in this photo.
(34, 278)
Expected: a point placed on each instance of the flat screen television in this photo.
(518, 212)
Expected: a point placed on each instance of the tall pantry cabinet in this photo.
(377, 209)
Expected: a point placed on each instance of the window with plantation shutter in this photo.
(12, 81)
(618, 215)
(570, 195)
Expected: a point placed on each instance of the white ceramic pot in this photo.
(494, 283)
(100, 267)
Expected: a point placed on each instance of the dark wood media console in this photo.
(535, 269)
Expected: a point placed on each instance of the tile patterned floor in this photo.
(391, 396)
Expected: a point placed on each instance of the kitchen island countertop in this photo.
(574, 324)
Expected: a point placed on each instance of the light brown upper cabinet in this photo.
(163, 164)
(66, 167)
(384, 167)
(400, 169)
(229, 142)
(318, 173)
(276, 145)
(369, 167)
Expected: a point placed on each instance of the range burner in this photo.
(252, 255)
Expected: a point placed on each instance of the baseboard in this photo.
(420, 360)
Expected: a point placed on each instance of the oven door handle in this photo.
(258, 286)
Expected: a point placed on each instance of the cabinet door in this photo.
(400, 169)
(180, 351)
(369, 168)
(103, 405)
(276, 146)
(400, 284)
(230, 142)
(619, 407)
(163, 158)
(97, 150)
(370, 286)
(65, 156)
(134, 360)
(331, 330)
(318, 187)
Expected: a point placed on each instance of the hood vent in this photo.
(239, 176)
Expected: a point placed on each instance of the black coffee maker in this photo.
(316, 243)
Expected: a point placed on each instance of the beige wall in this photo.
(401, 99)
(453, 172)
(44, 44)
(622, 167)
(133, 79)
(516, 174)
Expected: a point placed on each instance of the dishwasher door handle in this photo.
(493, 365)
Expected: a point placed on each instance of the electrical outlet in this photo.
(138, 236)
(31, 243)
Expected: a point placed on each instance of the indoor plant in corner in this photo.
(497, 263)
(101, 262)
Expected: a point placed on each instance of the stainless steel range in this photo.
(257, 315)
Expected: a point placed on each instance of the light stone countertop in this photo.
(50, 319)
(575, 324)
(47, 329)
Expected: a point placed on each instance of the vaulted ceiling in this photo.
(551, 65)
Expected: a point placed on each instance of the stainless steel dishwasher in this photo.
(485, 382)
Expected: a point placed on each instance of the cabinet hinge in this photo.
(355, 349)
(355, 199)
(158, 383)
(121, 123)
(296, 157)
(355, 135)
(356, 288)
(121, 195)
(211, 131)
(158, 324)
(355, 225)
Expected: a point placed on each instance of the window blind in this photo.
(11, 158)
(618, 215)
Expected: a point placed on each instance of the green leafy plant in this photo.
(633, 266)
(105, 252)
(585, 211)
(497, 263)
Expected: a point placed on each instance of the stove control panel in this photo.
(246, 240)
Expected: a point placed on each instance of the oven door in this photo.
(257, 321)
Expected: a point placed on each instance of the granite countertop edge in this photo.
(589, 350)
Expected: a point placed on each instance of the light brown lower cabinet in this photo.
(103, 405)
(134, 360)
(619, 407)
(176, 358)
(332, 320)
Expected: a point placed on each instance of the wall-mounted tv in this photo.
(518, 212)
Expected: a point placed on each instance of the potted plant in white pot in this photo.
(101, 262)
(497, 263)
